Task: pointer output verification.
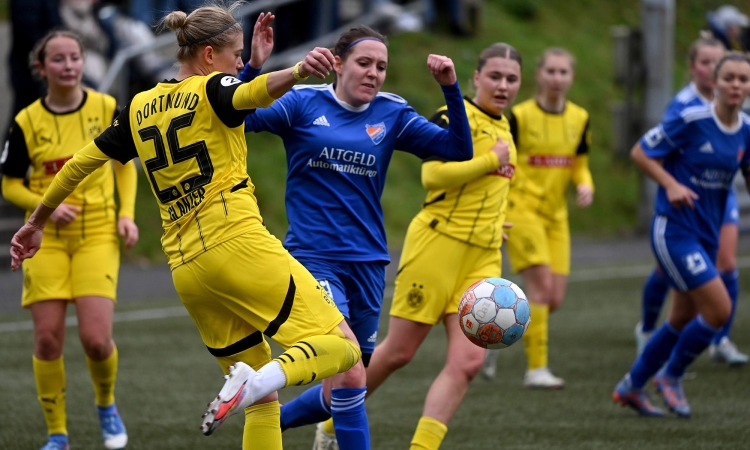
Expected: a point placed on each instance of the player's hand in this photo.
(128, 231)
(319, 62)
(506, 226)
(442, 69)
(262, 43)
(25, 244)
(64, 214)
(680, 195)
(585, 195)
(502, 150)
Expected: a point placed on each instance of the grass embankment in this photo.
(582, 26)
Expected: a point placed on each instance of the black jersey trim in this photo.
(435, 200)
(286, 309)
(17, 161)
(76, 109)
(455, 205)
(476, 218)
(240, 185)
(583, 145)
(240, 346)
(200, 231)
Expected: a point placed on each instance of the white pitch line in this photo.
(129, 316)
(576, 276)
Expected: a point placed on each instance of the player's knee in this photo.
(97, 347)
(399, 356)
(48, 345)
(354, 377)
(468, 369)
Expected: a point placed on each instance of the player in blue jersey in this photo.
(694, 158)
(339, 139)
(703, 55)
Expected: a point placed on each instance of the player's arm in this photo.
(126, 178)
(648, 154)
(418, 136)
(15, 163)
(437, 174)
(581, 174)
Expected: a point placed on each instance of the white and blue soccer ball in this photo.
(494, 313)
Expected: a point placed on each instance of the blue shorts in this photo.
(357, 288)
(687, 261)
(732, 210)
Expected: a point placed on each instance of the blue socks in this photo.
(731, 281)
(654, 292)
(693, 340)
(654, 356)
(307, 409)
(350, 418)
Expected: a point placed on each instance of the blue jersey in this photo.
(337, 157)
(702, 154)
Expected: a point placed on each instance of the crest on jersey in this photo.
(376, 132)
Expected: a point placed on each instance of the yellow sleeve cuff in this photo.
(84, 162)
(253, 95)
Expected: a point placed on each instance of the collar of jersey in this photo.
(554, 113)
(70, 111)
(492, 116)
(722, 127)
(345, 105)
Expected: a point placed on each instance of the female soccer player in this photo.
(453, 242)
(80, 257)
(339, 140)
(703, 56)
(235, 279)
(693, 157)
(552, 136)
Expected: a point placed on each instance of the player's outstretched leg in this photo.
(314, 358)
(654, 293)
(722, 349)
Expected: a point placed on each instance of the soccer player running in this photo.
(552, 136)
(694, 157)
(453, 242)
(236, 280)
(339, 140)
(80, 255)
(703, 56)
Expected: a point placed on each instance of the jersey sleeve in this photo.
(513, 122)
(232, 99)
(84, 162)
(420, 137)
(440, 118)
(666, 138)
(583, 146)
(276, 119)
(15, 160)
(745, 160)
(117, 140)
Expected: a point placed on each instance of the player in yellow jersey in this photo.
(453, 242)
(552, 136)
(79, 257)
(236, 280)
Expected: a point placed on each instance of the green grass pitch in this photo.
(167, 376)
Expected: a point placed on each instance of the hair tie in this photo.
(205, 38)
(357, 42)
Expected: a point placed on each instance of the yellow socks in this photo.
(328, 426)
(318, 357)
(429, 435)
(262, 427)
(103, 374)
(50, 388)
(535, 338)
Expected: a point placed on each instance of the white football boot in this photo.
(641, 338)
(726, 352)
(234, 397)
(489, 366)
(542, 378)
(323, 440)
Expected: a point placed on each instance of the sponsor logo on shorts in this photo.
(373, 338)
(695, 263)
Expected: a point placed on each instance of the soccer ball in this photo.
(494, 313)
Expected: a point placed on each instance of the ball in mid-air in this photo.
(494, 313)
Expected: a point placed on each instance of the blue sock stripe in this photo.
(347, 407)
(323, 403)
(702, 322)
(347, 403)
(350, 418)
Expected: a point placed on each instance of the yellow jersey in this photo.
(44, 141)
(190, 139)
(552, 150)
(467, 200)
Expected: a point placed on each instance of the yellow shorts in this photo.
(434, 272)
(536, 240)
(250, 288)
(69, 267)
